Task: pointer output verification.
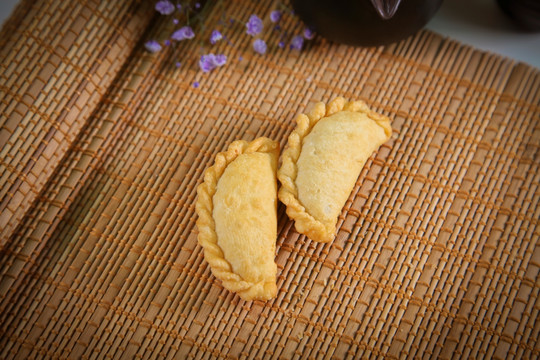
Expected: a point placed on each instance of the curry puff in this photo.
(237, 208)
(322, 161)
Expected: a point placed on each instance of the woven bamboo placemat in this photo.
(103, 145)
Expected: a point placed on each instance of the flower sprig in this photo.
(254, 26)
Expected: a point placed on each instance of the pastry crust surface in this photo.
(237, 218)
(323, 158)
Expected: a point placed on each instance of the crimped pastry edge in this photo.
(288, 193)
(207, 236)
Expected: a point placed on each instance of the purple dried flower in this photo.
(178, 64)
(196, 84)
(167, 42)
(183, 33)
(152, 46)
(259, 46)
(197, 5)
(309, 33)
(175, 21)
(275, 16)
(179, 7)
(206, 63)
(240, 58)
(297, 42)
(164, 7)
(254, 25)
(220, 60)
(281, 44)
(209, 62)
(215, 37)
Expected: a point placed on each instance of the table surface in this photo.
(459, 19)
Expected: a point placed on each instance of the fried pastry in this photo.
(323, 158)
(237, 205)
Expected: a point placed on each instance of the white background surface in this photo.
(482, 24)
(479, 23)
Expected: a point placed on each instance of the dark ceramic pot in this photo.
(366, 22)
(525, 13)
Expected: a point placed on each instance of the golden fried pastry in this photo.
(237, 209)
(322, 161)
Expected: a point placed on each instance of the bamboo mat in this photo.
(103, 144)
